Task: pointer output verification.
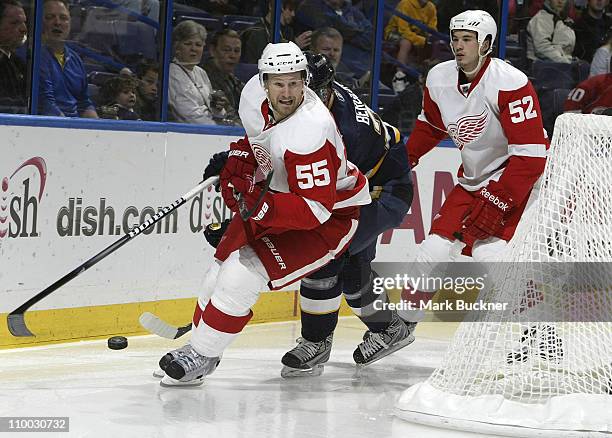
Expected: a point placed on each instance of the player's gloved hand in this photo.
(214, 232)
(251, 199)
(216, 163)
(486, 215)
(240, 163)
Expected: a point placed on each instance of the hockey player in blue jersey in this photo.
(375, 148)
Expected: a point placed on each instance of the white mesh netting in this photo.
(513, 373)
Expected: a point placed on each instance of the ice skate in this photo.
(169, 382)
(378, 345)
(307, 358)
(186, 367)
(541, 341)
(170, 356)
(166, 359)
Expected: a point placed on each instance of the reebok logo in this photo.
(494, 200)
(262, 212)
(238, 153)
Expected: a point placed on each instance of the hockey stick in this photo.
(245, 213)
(16, 321)
(154, 324)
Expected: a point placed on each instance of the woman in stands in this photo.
(189, 91)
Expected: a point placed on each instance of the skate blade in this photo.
(315, 371)
(169, 382)
(159, 373)
(409, 340)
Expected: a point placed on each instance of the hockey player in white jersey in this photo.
(313, 201)
(492, 113)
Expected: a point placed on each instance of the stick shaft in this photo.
(113, 247)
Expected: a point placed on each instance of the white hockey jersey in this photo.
(495, 117)
(305, 150)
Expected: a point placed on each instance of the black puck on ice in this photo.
(117, 343)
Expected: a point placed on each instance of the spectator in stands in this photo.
(592, 96)
(591, 29)
(328, 41)
(354, 27)
(225, 47)
(13, 34)
(601, 59)
(119, 97)
(255, 39)
(536, 5)
(63, 80)
(411, 39)
(189, 89)
(549, 36)
(447, 9)
(146, 91)
(147, 8)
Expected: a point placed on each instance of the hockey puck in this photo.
(117, 343)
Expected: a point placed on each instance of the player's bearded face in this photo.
(465, 46)
(285, 93)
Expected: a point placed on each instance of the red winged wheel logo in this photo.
(468, 128)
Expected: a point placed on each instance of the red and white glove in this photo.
(486, 215)
(250, 196)
(240, 163)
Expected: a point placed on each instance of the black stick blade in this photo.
(182, 330)
(17, 326)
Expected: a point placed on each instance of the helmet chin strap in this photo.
(469, 73)
(480, 62)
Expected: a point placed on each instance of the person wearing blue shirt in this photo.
(355, 28)
(63, 79)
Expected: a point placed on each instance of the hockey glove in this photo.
(486, 215)
(253, 199)
(240, 163)
(215, 165)
(214, 232)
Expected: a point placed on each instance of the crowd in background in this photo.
(103, 58)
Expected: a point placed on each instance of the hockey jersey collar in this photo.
(462, 79)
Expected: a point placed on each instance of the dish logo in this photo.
(20, 195)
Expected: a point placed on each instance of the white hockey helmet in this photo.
(480, 22)
(282, 58)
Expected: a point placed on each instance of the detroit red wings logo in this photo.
(262, 155)
(468, 128)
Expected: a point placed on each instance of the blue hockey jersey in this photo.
(374, 146)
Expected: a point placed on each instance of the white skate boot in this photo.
(186, 367)
(166, 359)
(307, 358)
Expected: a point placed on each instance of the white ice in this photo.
(109, 393)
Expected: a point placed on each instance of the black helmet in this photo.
(321, 72)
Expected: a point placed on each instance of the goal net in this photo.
(543, 366)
